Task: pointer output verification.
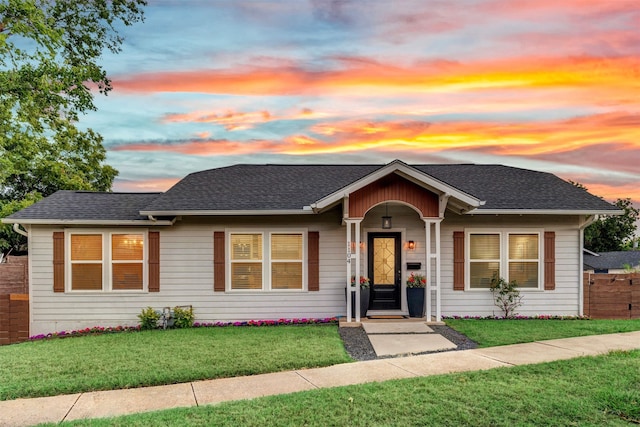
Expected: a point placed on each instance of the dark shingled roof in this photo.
(88, 205)
(504, 187)
(267, 187)
(258, 187)
(611, 260)
(292, 187)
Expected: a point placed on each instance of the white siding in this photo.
(564, 300)
(186, 273)
(186, 277)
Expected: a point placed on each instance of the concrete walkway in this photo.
(395, 338)
(24, 412)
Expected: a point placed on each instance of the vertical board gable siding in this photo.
(393, 187)
(58, 261)
(154, 261)
(313, 270)
(549, 261)
(218, 262)
(458, 260)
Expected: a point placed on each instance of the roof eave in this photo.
(248, 212)
(86, 221)
(543, 212)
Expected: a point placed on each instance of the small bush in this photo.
(506, 294)
(183, 317)
(148, 318)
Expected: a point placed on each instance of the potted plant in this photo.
(364, 296)
(415, 294)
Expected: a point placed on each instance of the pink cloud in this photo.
(146, 185)
(206, 147)
(230, 120)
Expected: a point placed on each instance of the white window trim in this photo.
(107, 262)
(266, 259)
(504, 255)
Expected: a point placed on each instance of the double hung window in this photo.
(267, 261)
(513, 255)
(104, 261)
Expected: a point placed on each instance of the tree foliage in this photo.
(49, 52)
(612, 232)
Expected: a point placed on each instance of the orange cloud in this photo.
(542, 139)
(236, 120)
(207, 147)
(149, 185)
(603, 79)
(230, 120)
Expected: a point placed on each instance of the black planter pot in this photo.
(415, 302)
(364, 302)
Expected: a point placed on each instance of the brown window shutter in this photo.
(458, 260)
(154, 261)
(313, 256)
(58, 261)
(549, 260)
(218, 261)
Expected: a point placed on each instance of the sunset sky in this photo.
(546, 85)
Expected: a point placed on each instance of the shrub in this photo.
(506, 295)
(148, 318)
(183, 317)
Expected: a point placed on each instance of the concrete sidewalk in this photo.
(24, 412)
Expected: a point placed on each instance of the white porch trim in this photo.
(353, 245)
(430, 257)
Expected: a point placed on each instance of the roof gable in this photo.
(465, 201)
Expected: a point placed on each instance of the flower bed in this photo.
(98, 330)
(518, 317)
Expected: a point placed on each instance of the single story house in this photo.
(282, 241)
(614, 262)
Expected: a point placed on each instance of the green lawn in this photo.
(134, 359)
(602, 391)
(489, 333)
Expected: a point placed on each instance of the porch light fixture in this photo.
(386, 219)
(411, 245)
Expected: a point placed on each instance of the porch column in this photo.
(353, 252)
(348, 279)
(438, 269)
(357, 251)
(433, 281)
(427, 266)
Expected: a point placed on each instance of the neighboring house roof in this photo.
(295, 188)
(612, 260)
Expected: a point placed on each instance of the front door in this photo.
(384, 271)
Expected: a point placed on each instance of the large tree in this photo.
(612, 232)
(49, 72)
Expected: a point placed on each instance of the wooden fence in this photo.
(612, 296)
(14, 300)
(14, 275)
(14, 318)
